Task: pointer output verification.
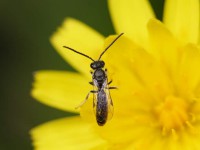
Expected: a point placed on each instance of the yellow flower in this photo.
(155, 66)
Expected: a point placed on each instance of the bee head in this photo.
(97, 64)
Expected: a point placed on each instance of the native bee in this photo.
(102, 101)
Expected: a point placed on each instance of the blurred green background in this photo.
(25, 28)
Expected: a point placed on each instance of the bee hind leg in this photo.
(83, 102)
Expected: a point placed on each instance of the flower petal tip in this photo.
(153, 22)
(155, 26)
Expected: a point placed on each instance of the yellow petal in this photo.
(60, 89)
(182, 18)
(161, 40)
(189, 77)
(127, 129)
(66, 134)
(133, 75)
(190, 141)
(118, 59)
(131, 17)
(163, 46)
(80, 37)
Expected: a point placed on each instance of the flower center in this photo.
(172, 114)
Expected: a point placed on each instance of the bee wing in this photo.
(105, 88)
(110, 102)
(94, 97)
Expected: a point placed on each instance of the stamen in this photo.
(174, 134)
(173, 116)
(191, 127)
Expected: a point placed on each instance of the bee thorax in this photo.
(99, 75)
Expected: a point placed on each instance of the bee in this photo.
(102, 102)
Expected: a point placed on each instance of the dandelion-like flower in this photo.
(155, 66)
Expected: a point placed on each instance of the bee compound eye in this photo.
(102, 63)
(93, 65)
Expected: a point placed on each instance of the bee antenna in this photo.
(110, 45)
(78, 52)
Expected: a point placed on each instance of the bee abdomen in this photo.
(101, 109)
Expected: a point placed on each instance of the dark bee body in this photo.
(100, 81)
(101, 108)
(102, 101)
(99, 77)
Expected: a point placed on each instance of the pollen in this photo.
(173, 115)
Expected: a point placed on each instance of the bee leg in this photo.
(94, 101)
(110, 82)
(91, 83)
(106, 74)
(112, 87)
(83, 102)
